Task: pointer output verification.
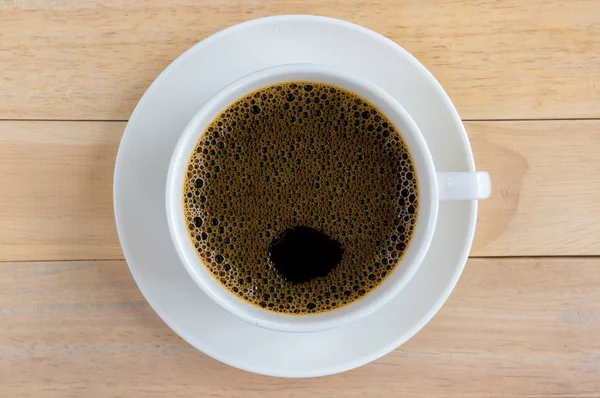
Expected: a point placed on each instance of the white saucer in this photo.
(139, 193)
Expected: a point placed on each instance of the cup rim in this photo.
(394, 282)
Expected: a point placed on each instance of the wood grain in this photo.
(93, 59)
(513, 327)
(57, 202)
(546, 187)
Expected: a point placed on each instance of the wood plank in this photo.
(546, 188)
(513, 327)
(93, 59)
(57, 202)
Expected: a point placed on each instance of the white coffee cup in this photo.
(433, 187)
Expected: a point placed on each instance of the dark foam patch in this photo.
(300, 154)
(302, 254)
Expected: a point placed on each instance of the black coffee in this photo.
(301, 197)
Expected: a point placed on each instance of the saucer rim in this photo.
(206, 349)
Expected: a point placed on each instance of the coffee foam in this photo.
(300, 154)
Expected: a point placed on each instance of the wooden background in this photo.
(524, 320)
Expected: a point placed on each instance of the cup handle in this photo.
(470, 185)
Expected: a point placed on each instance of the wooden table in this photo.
(524, 320)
